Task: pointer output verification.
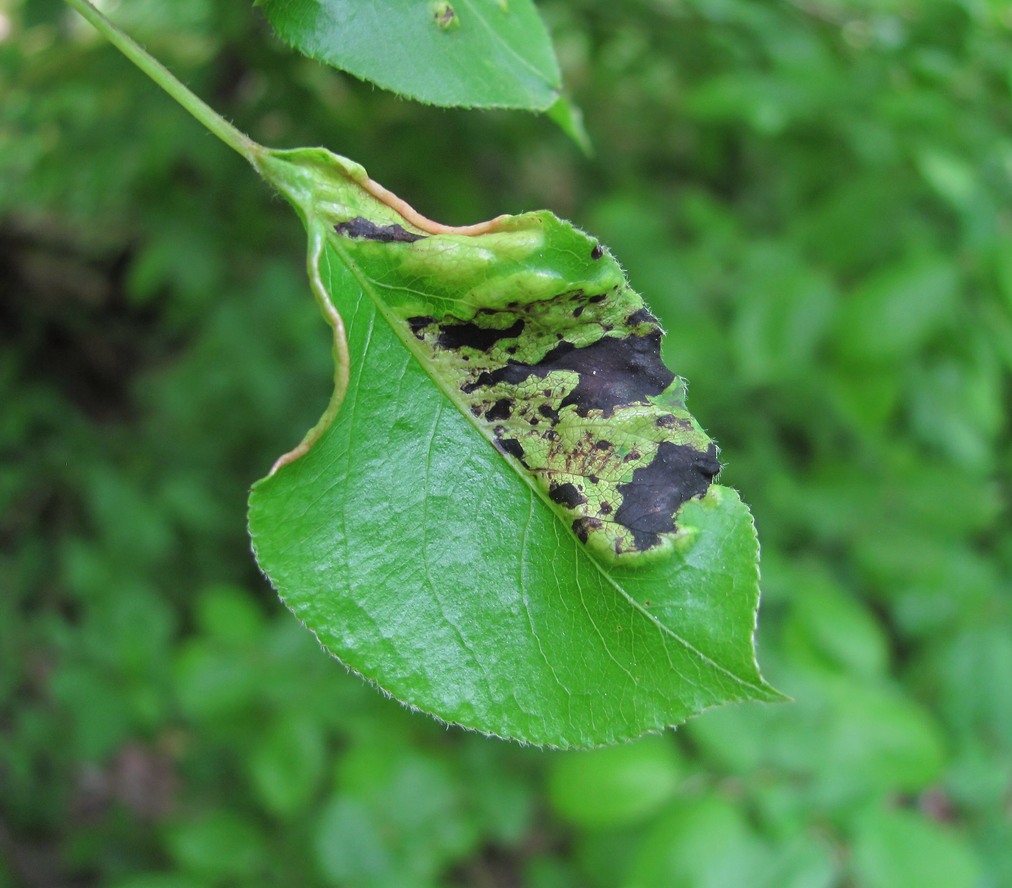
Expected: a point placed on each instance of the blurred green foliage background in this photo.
(816, 198)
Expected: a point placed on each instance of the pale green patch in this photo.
(566, 381)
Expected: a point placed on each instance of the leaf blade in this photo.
(471, 53)
(437, 571)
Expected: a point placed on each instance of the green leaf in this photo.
(471, 563)
(898, 310)
(703, 841)
(468, 53)
(608, 788)
(510, 523)
(286, 764)
(218, 845)
(901, 848)
(569, 119)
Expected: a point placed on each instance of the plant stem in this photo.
(166, 80)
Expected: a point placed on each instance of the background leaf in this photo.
(469, 53)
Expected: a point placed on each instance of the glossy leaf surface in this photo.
(427, 559)
(468, 53)
(506, 515)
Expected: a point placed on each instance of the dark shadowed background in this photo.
(815, 197)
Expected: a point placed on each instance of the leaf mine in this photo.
(567, 383)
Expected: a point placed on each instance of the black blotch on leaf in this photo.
(612, 371)
(566, 495)
(361, 228)
(677, 473)
(509, 445)
(583, 526)
(640, 316)
(418, 324)
(549, 412)
(501, 409)
(455, 336)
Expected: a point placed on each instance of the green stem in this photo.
(167, 81)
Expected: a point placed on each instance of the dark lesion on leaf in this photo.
(583, 526)
(500, 410)
(361, 228)
(677, 473)
(640, 316)
(418, 324)
(509, 446)
(533, 362)
(566, 494)
(612, 372)
(470, 335)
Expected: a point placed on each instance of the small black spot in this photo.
(566, 495)
(583, 526)
(476, 409)
(549, 412)
(577, 311)
(551, 435)
(361, 228)
(632, 455)
(501, 409)
(593, 479)
(597, 252)
(418, 324)
(668, 421)
(600, 297)
(640, 316)
(455, 336)
(605, 508)
(603, 445)
(677, 473)
(512, 350)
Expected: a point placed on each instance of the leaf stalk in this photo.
(230, 135)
